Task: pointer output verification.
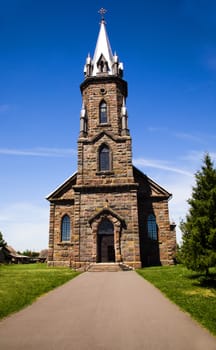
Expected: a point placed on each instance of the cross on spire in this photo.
(102, 12)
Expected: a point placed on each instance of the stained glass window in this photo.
(152, 227)
(104, 158)
(103, 112)
(65, 228)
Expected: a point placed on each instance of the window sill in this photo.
(104, 124)
(68, 243)
(105, 173)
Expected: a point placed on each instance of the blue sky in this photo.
(168, 48)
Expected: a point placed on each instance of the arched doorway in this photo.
(105, 242)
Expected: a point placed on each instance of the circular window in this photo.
(103, 91)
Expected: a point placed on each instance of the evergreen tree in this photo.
(199, 229)
(2, 242)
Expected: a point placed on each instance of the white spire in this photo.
(102, 48)
(103, 62)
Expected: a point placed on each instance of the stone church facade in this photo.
(108, 211)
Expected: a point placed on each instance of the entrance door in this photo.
(105, 242)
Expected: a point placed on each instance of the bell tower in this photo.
(104, 144)
(105, 185)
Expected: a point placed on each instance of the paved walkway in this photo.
(103, 311)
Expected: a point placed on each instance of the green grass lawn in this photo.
(191, 291)
(20, 285)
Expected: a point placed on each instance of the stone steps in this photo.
(108, 267)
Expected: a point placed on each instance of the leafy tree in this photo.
(2, 241)
(43, 253)
(30, 253)
(198, 250)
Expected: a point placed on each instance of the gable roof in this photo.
(148, 187)
(64, 187)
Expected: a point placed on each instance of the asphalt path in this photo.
(104, 311)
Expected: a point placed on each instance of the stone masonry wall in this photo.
(112, 93)
(166, 236)
(121, 163)
(60, 252)
(163, 250)
(123, 204)
(108, 133)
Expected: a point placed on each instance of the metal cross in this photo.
(102, 12)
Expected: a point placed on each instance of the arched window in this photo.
(102, 65)
(103, 112)
(152, 227)
(65, 228)
(104, 158)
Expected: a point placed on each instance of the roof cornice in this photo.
(105, 80)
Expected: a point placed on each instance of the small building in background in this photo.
(8, 255)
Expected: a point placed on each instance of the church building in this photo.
(108, 211)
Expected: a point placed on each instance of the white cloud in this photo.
(25, 226)
(159, 164)
(39, 152)
(157, 129)
(196, 137)
(186, 136)
(198, 156)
